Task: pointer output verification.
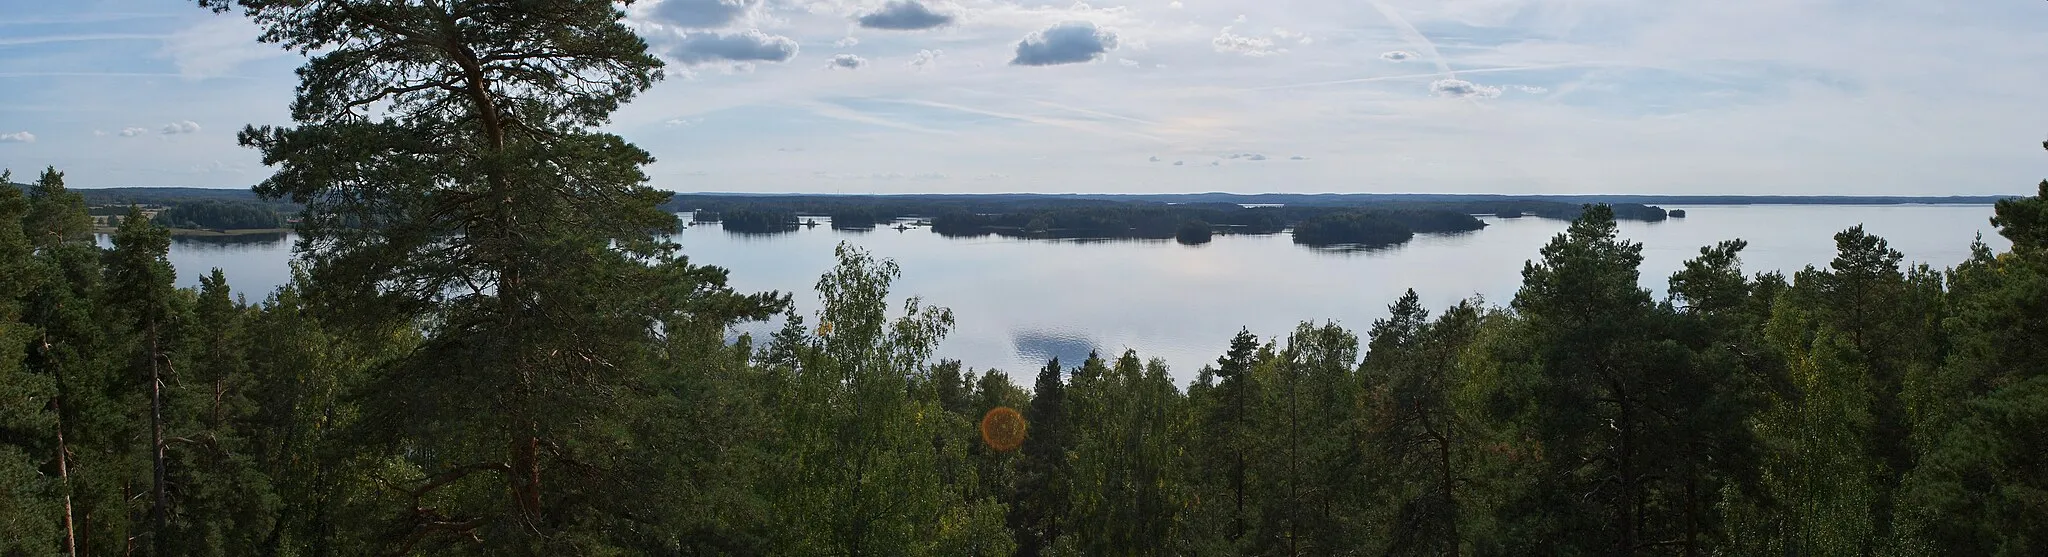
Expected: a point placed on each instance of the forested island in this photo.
(531, 367)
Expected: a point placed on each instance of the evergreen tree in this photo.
(1043, 482)
(453, 180)
(30, 501)
(1413, 432)
(1611, 394)
(56, 216)
(140, 285)
(1222, 402)
(1981, 474)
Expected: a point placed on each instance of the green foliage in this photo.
(221, 215)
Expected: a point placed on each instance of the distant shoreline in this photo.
(1319, 199)
(209, 232)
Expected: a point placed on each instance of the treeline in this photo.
(1862, 407)
(1380, 227)
(753, 221)
(1125, 221)
(221, 215)
(1136, 208)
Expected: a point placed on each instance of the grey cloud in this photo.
(1215, 163)
(1072, 42)
(1255, 157)
(750, 45)
(1297, 158)
(700, 14)
(1155, 159)
(184, 126)
(904, 15)
(1180, 163)
(17, 137)
(848, 61)
(1397, 56)
(1461, 88)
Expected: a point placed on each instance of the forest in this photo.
(453, 373)
(220, 215)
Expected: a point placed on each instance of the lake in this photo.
(1018, 302)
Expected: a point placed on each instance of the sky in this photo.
(1822, 97)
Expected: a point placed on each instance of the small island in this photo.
(1360, 228)
(1676, 213)
(1194, 233)
(756, 221)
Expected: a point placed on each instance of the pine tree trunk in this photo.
(63, 455)
(64, 475)
(1627, 510)
(156, 424)
(1445, 483)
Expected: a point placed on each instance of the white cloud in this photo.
(1227, 41)
(1128, 63)
(1532, 89)
(1397, 56)
(846, 42)
(1175, 4)
(216, 47)
(17, 137)
(926, 58)
(175, 128)
(1454, 87)
(132, 132)
(848, 61)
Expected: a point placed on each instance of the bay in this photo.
(1018, 302)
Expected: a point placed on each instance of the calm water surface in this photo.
(1020, 301)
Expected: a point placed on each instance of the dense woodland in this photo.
(555, 379)
(220, 215)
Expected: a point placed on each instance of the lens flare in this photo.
(1003, 429)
